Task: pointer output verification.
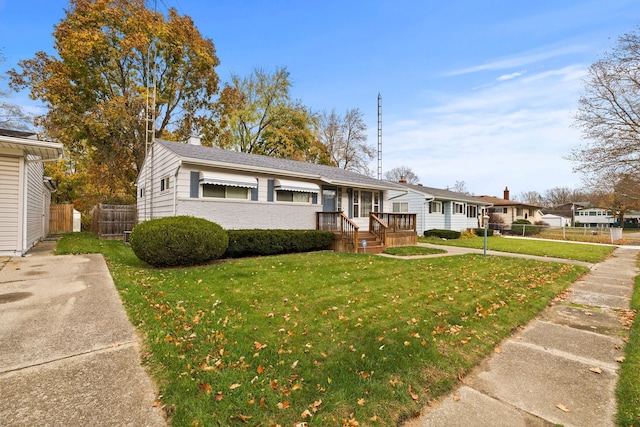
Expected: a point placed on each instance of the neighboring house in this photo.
(594, 217)
(437, 208)
(508, 211)
(248, 191)
(25, 194)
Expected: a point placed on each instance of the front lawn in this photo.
(412, 251)
(329, 339)
(564, 250)
(628, 388)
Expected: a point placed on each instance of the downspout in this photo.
(25, 199)
(175, 188)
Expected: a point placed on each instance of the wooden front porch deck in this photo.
(385, 230)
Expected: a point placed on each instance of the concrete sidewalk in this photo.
(561, 369)
(69, 355)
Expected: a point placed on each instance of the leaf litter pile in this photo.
(326, 338)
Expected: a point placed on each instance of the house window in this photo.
(472, 211)
(400, 207)
(458, 208)
(435, 207)
(164, 184)
(592, 213)
(505, 210)
(518, 211)
(224, 192)
(293, 196)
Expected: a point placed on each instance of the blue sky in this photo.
(477, 91)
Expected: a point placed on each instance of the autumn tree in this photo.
(608, 113)
(109, 53)
(256, 114)
(402, 172)
(346, 140)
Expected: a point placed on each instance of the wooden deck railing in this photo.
(378, 228)
(338, 222)
(397, 222)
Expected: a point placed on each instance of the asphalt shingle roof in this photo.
(444, 194)
(199, 154)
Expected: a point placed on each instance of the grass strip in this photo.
(329, 339)
(628, 387)
(413, 251)
(564, 250)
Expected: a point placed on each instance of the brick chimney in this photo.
(506, 193)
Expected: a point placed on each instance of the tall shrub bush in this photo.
(178, 241)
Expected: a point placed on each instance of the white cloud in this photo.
(520, 60)
(512, 133)
(510, 76)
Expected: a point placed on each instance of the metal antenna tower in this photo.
(379, 136)
(150, 128)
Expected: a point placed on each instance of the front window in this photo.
(435, 207)
(164, 184)
(400, 207)
(293, 196)
(224, 192)
(458, 208)
(472, 211)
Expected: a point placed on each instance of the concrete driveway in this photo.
(69, 355)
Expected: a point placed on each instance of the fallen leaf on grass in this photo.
(413, 395)
(234, 386)
(361, 402)
(562, 407)
(283, 405)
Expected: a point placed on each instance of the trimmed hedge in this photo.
(178, 241)
(244, 243)
(480, 232)
(523, 227)
(443, 234)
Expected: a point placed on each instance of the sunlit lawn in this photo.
(628, 387)
(413, 251)
(324, 338)
(565, 250)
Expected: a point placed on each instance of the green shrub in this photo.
(178, 241)
(480, 232)
(443, 234)
(523, 227)
(244, 243)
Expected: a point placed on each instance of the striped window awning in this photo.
(228, 179)
(301, 186)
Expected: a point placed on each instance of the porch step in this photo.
(374, 246)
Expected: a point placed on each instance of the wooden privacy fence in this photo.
(111, 221)
(60, 219)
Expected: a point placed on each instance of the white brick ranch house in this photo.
(248, 191)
